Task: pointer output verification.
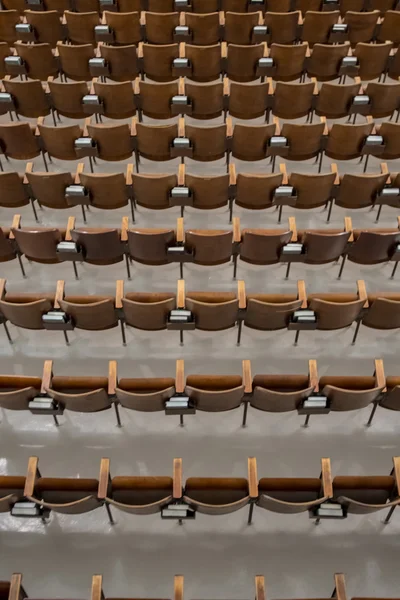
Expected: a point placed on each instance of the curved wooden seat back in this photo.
(391, 135)
(29, 97)
(334, 99)
(305, 140)
(385, 98)
(391, 399)
(359, 191)
(148, 311)
(312, 191)
(101, 246)
(155, 98)
(67, 496)
(215, 393)
(149, 246)
(325, 60)
(216, 495)
(383, 311)
(107, 190)
(67, 98)
(390, 27)
(365, 494)
(293, 100)
(289, 60)
(47, 26)
(323, 247)
(49, 188)
(12, 191)
(141, 495)
(93, 313)
(207, 100)
(209, 142)
(256, 192)
(117, 98)
(39, 58)
(208, 192)
(39, 244)
(154, 141)
(210, 247)
(263, 246)
(11, 490)
(373, 247)
(317, 26)
(345, 141)
(280, 393)
(239, 27)
(335, 311)
(122, 61)
(26, 311)
(283, 26)
(250, 142)
(205, 28)
(81, 26)
(80, 394)
(248, 101)
(205, 60)
(153, 190)
(373, 59)
(113, 141)
(18, 140)
(17, 391)
(160, 27)
(213, 311)
(7, 251)
(59, 141)
(361, 25)
(270, 312)
(145, 395)
(157, 61)
(74, 60)
(242, 61)
(290, 495)
(8, 20)
(125, 26)
(349, 393)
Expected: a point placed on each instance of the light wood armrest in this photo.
(142, 19)
(94, 80)
(247, 378)
(97, 587)
(348, 226)
(226, 88)
(380, 378)
(56, 51)
(384, 169)
(182, 50)
(104, 479)
(301, 293)
(252, 475)
(180, 294)
(334, 169)
(362, 292)
(124, 229)
(277, 124)
(181, 85)
(28, 169)
(224, 50)
(326, 128)
(87, 122)
(63, 20)
(260, 18)
(177, 478)
(2, 288)
(283, 171)
(293, 229)
(112, 377)
(136, 86)
(265, 49)
(60, 292)
(237, 237)
(301, 20)
(308, 52)
(80, 168)
(181, 127)
(182, 18)
(46, 87)
(242, 294)
(270, 91)
(260, 587)
(40, 121)
(326, 476)
(180, 231)
(396, 472)
(46, 376)
(70, 227)
(16, 590)
(119, 293)
(16, 224)
(313, 375)
(229, 127)
(180, 376)
(181, 173)
(178, 587)
(340, 586)
(133, 127)
(232, 174)
(31, 476)
(370, 121)
(315, 90)
(221, 16)
(129, 173)
(140, 50)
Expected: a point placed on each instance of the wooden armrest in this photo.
(40, 121)
(326, 128)
(119, 293)
(221, 18)
(104, 479)
(63, 19)
(308, 52)
(181, 127)
(224, 50)
(16, 590)
(362, 292)
(300, 20)
(370, 121)
(133, 127)
(380, 378)
(97, 587)
(28, 169)
(136, 87)
(182, 50)
(60, 292)
(182, 18)
(326, 476)
(340, 586)
(70, 227)
(31, 476)
(252, 475)
(315, 90)
(396, 472)
(247, 378)
(277, 124)
(242, 295)
(178, 587)
(124, 229)
(348, 226)
(180, 294)
(80, 168)
(129, 173)
(313, 375)
(2, 288)
(140, 50)
(181, 85)
(225, 82)
(260, 18)
(334, 169)
(229, 127)
(177, 478)
(180, 376)
(237, 237)
(94, 80)
(293, 229)
(56, 51)
(46, 376)
(232, 174)
(260, 587)
(16, 224)
(283, 171)
(270, 91)
(265, 49)
(301, 293)
(181, 173)
(87, 122)
(385, 170)
(46, 88)
(180, 231)
(112, 377)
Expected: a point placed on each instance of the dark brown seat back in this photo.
(205, 60)
(93, 313)
(361, 25)
(207, 100)
(213, 311)
(248, 101)
(335, 311)
(312, 191)
(17, 140)
(324, 247)
(67, 98)
(305, 140)
(263, 246)
(145, 395)
(383, 311)
(29, 97)
(74, 60)
(59, 141)
(160, 27)
(270, 312)
(279, 393)
(149, 246)
(256, 192)
(122, 61)
(17, 391)
(373, 59)
(38, 244)
(215, 495)
(26, 312)
(325, 60)
(390, 27)
(155, 98)
(204, 28)
(47, 26)
(239, 27)
(148, 311)
(210, 247)
(289, 60)
(372, 247)
(283, 26)
(215, 393)
(334, 100)
(39, 59)
(12, 191)
(317, 26)
(157, 61)
(249, 142)
(80, 394)
(242, 61)
(81, 26)
(125, 26)
(100, 246)
(153, 191)
(346, 141)
(106, 190)
(349, 393)
(359, 191)
(154, 141)
(113, 141)
(293, 100)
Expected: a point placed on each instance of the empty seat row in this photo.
(207, 247)
(200, 63)
(205, 311)
(200, 6)
(286, 100)
(199, 29)
(258, 191)
(173, 498)
(117, 142)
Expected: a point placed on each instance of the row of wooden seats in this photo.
(172, 497)
(200, 63)
(199, 29)
(201, 6)
(117, 142)
(252, 191)
(205, 311)
(77, 100)
(208, 247)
